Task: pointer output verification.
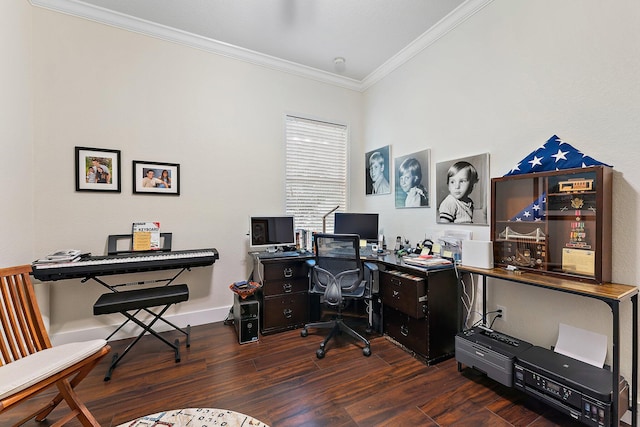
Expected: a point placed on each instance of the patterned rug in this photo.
(195, 417)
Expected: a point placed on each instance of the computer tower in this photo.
(246, 318)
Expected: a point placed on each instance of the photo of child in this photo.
(461, 190)
(377, 171)
(412, 180)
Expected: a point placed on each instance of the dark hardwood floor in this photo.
(280, 381)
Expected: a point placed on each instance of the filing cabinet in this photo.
(284, 296)
(420, 312)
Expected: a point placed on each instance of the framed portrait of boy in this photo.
(97, 169)
(156, 178)
(412, 180)
(462, 190)
(377, 171)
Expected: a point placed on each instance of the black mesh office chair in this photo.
(337, 273)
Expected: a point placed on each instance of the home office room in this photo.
(488, 82)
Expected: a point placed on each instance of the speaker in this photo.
(246, 318)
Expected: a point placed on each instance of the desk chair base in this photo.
(337, 326)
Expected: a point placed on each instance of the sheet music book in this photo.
(66, 255)
(146, 236)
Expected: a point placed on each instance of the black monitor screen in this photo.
(272, 231)
(363, 224)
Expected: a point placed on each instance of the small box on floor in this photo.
(246, 315)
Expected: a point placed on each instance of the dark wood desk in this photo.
(612, 294)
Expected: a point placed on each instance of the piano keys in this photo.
(124, 264)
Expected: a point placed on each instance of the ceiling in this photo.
(304, 36)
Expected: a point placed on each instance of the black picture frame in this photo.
(97, 169)
(380, 161)
(147, 176)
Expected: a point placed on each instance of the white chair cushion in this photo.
(17, 376)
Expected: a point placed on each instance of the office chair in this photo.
(337, 273)
(29, 364)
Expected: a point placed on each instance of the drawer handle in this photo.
(288, 313)
(286, 288)
(288, 272)
(404, 330)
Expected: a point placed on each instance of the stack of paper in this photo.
(426, 261)
(67, 255)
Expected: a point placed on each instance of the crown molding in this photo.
(115, 19)
(460, 14)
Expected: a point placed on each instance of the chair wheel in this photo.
(366, 351)
(319, 353)
(304, 332)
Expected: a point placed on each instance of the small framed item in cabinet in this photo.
(556, 223)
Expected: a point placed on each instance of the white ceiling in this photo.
(301, 35)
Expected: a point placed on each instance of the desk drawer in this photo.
(284, 312)
(284, 270)
(404, 292)
(288, 286)
(408, 331)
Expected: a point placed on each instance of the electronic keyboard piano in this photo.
(125, 263)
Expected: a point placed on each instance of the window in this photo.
(316, 171)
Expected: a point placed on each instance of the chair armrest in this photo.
(371, 266)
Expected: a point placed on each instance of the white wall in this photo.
(16, 134)
(219, 118)
(503, 83)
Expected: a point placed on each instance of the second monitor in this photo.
(363, 224)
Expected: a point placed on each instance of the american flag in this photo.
(534, 212)
(555, 154)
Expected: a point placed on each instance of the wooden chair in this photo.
(29, 363)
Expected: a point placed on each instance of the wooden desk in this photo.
(611, 294)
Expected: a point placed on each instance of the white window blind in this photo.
(316, 171)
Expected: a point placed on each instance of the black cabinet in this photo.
(420, 311)
(284, 297)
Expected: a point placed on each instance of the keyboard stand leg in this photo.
(177, 328)
(145, 328)
(177, 349)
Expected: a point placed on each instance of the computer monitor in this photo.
(272, 231)
(363, 224)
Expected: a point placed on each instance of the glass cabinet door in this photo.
(554, 222)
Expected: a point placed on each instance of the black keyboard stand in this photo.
(140, 300)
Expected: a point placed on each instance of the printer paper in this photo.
(586, 346)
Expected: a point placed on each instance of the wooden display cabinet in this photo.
(556, 223)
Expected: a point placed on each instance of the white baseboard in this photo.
(132, 330)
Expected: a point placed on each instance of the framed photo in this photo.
(377, 171)
(412, 180)
(156, 178)
(97, 169)
(462, 190)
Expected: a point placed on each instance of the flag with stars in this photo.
(555, 154)
(535, 212)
